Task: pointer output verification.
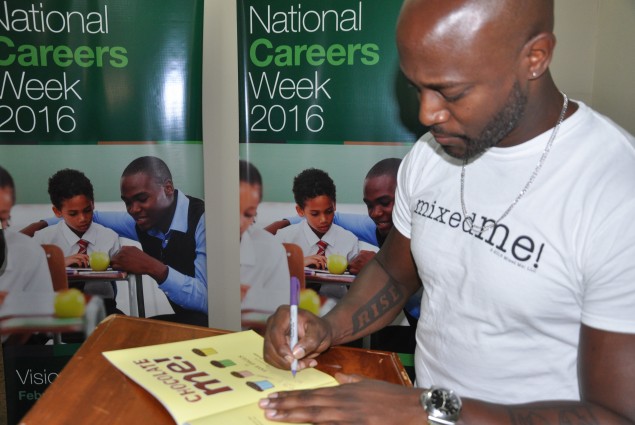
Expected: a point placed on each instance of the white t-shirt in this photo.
(27, 268)
(339, 240)
(501, 312)
(264, 267)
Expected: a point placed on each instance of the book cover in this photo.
(207, 380)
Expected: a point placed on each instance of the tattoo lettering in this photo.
(553, 416)
(376, 307)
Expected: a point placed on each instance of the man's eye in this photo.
(452, 97)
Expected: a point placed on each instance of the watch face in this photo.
(444, 402)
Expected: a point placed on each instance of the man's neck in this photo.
(164, 224)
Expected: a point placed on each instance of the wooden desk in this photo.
(91, 391)
(135, 286)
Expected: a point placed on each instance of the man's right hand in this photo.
(314, 337)
(277, 225)
(34, 227)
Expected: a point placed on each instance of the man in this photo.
(379, 196)
(171, 229)
(515, 210)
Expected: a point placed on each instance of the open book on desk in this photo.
(213, 380)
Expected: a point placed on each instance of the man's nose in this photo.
(432, 108)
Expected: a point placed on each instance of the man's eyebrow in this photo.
(439, 86)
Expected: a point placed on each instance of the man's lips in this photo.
(447, 139)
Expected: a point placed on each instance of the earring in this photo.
(534, 74)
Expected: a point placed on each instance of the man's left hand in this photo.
(133, 260)
(359, 261)
(357, 401)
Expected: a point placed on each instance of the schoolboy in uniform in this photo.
(72, 195)
(314, 194)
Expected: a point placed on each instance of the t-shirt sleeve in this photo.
(609, 272)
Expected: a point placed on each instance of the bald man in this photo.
(516, 211)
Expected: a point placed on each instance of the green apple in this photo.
(309, 300)
(99, 261)
(69, 303)
(336, 263)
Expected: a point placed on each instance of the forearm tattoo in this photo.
(380, 304)
(550, 416)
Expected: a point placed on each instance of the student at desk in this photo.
(73, 200)
(314, 195)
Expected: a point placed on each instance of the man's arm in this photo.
(379, 292)
(187, 291)
(607, 385)
(373, 301)
(34, 227)
(277, 225)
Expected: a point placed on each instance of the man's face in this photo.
(147, 200)
(77, 213)
(319, 213)
(379, 197)
(6, 203)
(249, 200)
(469, 85)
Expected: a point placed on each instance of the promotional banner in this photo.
(101, 71)
(320, 87)
(92, 86)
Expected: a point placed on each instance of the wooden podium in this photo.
(89, 390)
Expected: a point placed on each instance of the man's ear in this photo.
(537, 54)
(168, 187)
(299, 210)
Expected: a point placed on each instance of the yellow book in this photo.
(212, 380)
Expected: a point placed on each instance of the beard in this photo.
(503, 122)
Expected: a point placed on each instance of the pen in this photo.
(295, 289)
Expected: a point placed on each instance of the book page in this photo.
(200, 378)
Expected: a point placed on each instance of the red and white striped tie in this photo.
(83, 246)
(321, 247)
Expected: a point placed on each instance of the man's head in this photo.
(380, 185)
(314, 194)
(250, 194)
(7, 197)
(71, 193)
(148, 192)
(477, 65)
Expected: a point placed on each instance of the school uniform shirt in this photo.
(265, 269)
(339, 240)
(27, 268)
(99, 239)
(361, 225)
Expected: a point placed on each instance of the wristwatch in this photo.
(443, 406)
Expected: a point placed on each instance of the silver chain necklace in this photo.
(541, 161)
